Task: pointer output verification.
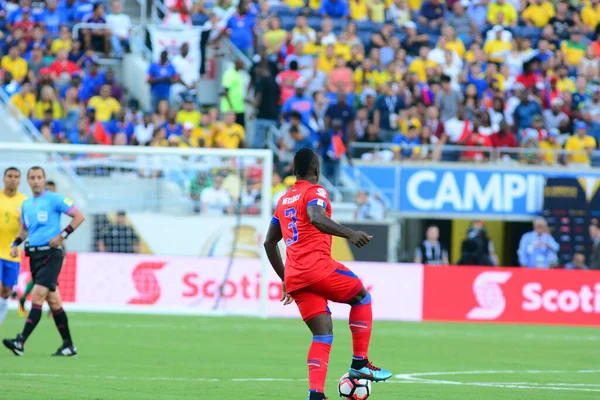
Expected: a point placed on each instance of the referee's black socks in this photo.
(32, 320)
(62, 324)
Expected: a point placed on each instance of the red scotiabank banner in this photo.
(511, 295)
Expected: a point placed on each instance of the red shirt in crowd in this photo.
(63, 67)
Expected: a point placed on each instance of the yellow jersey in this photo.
(203, 135)
(590, 16)
(17, 67)
(550, 151)
(510, 14)
(193, 116)
(539, 15)
(230, 137)
(105, 108)
(59, 44)
(25, 103)
(10, 222)
(359, 11)
(579, 145)
(419, 67)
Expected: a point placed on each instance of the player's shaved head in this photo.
(306, 165)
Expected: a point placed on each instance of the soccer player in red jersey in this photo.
(311, 277)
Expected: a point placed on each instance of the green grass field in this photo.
(174, 357)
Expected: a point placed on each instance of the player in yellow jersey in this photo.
(10, 224)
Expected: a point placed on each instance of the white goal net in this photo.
(167, 228)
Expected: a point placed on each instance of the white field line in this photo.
(579, 387)
(266, 326)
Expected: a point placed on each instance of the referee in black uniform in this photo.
(40, 224)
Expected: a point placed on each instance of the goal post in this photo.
(169, 205)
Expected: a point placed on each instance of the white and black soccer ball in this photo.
(354, 389)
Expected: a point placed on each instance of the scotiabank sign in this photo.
(511, 295)
(146, 283)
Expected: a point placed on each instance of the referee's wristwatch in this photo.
(64, 234)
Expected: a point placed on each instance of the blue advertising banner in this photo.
(468, 191)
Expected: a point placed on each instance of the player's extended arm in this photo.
(274, 235)
(322, 222)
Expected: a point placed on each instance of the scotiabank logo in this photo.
(146, 283)
(586, 299)
(489, 295)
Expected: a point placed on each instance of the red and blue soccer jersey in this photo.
(308, 250)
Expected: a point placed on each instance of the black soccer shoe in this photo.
(17, 345)
(66, 350)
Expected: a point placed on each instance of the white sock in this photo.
(3, 308)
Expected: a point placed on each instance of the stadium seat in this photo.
(339, 25)
(288, 22)
(315, 23)
(365, 26)
(281, 10)
(531, 32)
(365, 38)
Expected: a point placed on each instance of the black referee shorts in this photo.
(45, 267)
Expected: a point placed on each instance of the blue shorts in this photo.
(9, 272)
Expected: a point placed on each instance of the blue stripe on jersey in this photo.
(347, 273)
(317, 202)
(275, 220)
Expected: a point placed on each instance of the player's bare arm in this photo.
(77, 219)
(21, 236)
(274, 235)
(322, 222)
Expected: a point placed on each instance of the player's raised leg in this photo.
(361, 326)
(62, 324)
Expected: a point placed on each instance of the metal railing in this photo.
(455, 153)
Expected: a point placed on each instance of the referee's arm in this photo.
(77, 219)
(21, 236)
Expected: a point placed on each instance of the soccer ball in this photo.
(354, 389)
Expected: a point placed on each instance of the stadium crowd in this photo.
(386, 80)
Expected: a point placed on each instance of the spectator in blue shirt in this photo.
(82, 8)
(172, 127)
(408, 143)
(121, 125)
(161, 76)
(342, 111)
(68, 8)
(93, 79)
(431, 15)
(387, 108)
(241, 30)
(335, 8)
(524, 113)
(477, 12)
(53, 18)
(538, 248)
(301, 103)
(55, 126)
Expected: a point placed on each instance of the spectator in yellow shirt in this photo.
(590, 15)
(509, 14)
(275, 37)
(359, 11)
(302, 32)
(550, 148)
(48, 101)
(420, 64)
(24, 100)
(581, 144)
(453, 42)
(106, 105)
(573, 49)
(188, 112)
(187, 140)
(377, 11)
(538, 13)
(496, 48)
(203, 133)
(327, 59)
(63, 42)
(231, 135)
(13, 63)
